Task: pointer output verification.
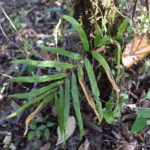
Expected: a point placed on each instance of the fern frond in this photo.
(76, 104)
(80, 31)
(94, 87)
(106, 67)
(61, 52)
(87, 92)
(37, 79)
(66, 103)
(29, 103)
(46, 63)
(37, 91)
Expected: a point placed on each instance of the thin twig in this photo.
(19, 34)
(134, 9)
(120, 13)
(1, 28)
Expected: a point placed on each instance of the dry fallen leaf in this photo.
(7, 139)
(137, 50)
(85, 145)
(100, 49)
(71, 127)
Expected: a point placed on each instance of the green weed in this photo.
(36, 130)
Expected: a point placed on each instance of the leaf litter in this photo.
(102, 136)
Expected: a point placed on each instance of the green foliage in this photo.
(65, 90)
(145, 113)
(94, 87)
(80, 31)
(66, 102)
(121, 29)
(36, 79)
(76, 103)
(139, 124)
(142, 116)
(61, 52)
(19, 20)
(109, 117)
(33, 101)
(39, 130)
(63, 108)
(104, 41)
(31, 134)
(51, 64)
(98, 35)
(37, 91)
(106, 67)
(112, 112)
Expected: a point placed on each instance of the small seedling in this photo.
(39, 130)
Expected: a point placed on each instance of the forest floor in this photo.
(36, 21)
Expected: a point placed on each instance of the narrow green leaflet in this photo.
(92, 78)
(66, 102)
(29, 103)
(61, 52)
(121, 29)
(59, 104)
(87, 93)
(80, 72)
(98, 35)
(103, 62)
(106, 67)
(36, 92)
(118, 59)
(47, 100)
(145, 113)
(94, 86)
(139, 124)
(36, 79)
(61, 99)
(76, 104)
(80, 31)
(44, 63)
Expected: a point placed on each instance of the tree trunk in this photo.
(91, 13)
(102, 13)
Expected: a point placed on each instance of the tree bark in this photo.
(92, 12)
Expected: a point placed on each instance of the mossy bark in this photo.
(97, 12)
(102, 13)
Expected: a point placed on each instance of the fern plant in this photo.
(64, 87)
